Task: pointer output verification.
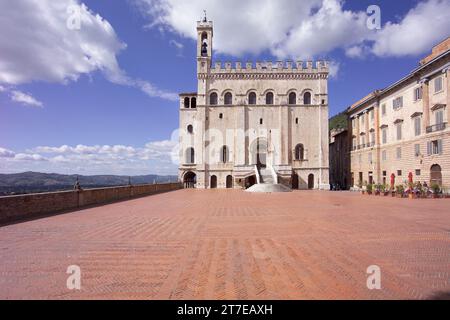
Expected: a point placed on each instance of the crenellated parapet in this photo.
(258, 70)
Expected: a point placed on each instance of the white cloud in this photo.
(5, 153)
(25, 98)
(423, 26)
(301, 29)
(160, 157)
(37, 45)
(2, 88)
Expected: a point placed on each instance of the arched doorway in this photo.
(189, 180)
(295, 185)
(250, 181)
(229, 182)
(436, 175)
(259, 150)
(213, 184)
(311, 181)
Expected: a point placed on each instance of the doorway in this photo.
(436, 175)
(311, 181)
(213, 184)
(229, 182)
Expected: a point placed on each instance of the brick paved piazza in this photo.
(196, 244)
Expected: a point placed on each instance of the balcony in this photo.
(437, 127)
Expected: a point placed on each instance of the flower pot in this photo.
(411, 196)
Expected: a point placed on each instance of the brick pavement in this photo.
(227, 244)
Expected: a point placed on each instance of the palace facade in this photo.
(403, 129)
(246, 119)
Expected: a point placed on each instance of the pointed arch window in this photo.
(300, 152)
(252, 98)
(269, 98)
(225, 155)
(228, 99)
(190, 156)
(292, 98)
(307, 98)
(213, 99)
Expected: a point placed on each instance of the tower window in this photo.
(190, 129)
(292, 98)
(269, 98)
(296, 120)
(252, 98)
(186, 102)
(220, 115)
(300, 152)
(213, 99)
(261, 121)
(225, 154)
(193, 103)
(204, 52)
(307, 98)
(228, 98)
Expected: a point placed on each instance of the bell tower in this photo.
(204, 45)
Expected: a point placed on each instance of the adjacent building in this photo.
(403, 129)
(339, 159)
(245, 118)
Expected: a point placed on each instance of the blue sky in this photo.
(61, 114)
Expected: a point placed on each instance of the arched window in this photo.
(190, 129)
(193, 103)
(224, 156)
(269, 98)
(228, 98)
(299, 152)
(292, 98)
(252, 98)
(213, 99)
(204, 49)
(307, 98)
(190, 156)
(186, 102)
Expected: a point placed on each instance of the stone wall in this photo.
(31, 205)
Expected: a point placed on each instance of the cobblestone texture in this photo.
(220, 244)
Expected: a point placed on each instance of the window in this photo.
(418, 93)
(383, 109)
(213, 99)
(372, 114)
(190, 156)
(354, 143)
(399, 153)
(193, 103)
(372, 138)
(292, 98)
(438, 84)
(418, 172)
(261, 121)
(228, 99)
(384, 155)
(370, 157)
(296, 120)
(439, 115)
(384, 135)
(417, 126)
(269, 98)
(397, 103)
(399, 173)
(307, 98)
(252, 98)
(224, 157)
(299, 152)
(435, 147)
(190, 129)
(220, 115)
(417, 150)
(186, 102)
(399, 131)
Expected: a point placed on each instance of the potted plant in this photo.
(400, 190)
(369, 189)
(384, 190)
(436, 190)
(377, 189)
(360, 186)
(410, 191)
(419, 190)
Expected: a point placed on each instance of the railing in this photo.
(437, 127)
(258, 178)
(274, 174)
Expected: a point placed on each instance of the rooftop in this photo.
(227, 244)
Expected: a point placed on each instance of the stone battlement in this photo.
(270, 67)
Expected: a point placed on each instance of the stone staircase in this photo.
(267, 183)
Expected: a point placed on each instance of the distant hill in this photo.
(339, 121)
(32, 182)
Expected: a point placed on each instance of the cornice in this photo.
(262, 76)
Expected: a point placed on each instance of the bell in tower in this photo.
(204, 52)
